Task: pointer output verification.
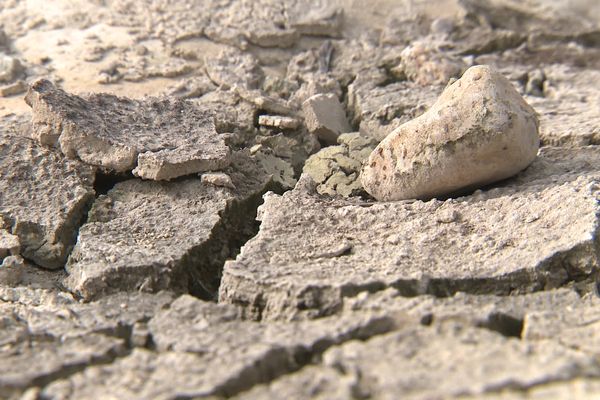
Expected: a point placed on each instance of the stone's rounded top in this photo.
(475, 73)
(479, 131)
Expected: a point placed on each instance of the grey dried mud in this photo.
(150, 236)
(43, 199)
(155, 138)
(303, 264)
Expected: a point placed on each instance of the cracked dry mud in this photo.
(182, 213)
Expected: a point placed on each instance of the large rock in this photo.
(43, 199)
(479, 131)
(536, 231)
(442, 361)
(157, 138)
(148, 236)
(203, 350)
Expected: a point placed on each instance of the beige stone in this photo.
(479, 131)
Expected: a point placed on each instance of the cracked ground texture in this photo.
(270, 273)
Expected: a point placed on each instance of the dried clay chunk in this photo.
(157, 138)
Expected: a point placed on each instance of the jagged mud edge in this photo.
(66, 235)
(281, 361)
(199, 270)
(270, 301)
(123, 332)
(236, 226)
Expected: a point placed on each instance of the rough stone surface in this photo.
(336, 169)
(212, 358)
(575, 326)
(569, 109)
(43, 198)
(479, 131)
(61, 336)
(428, 358)
(150, 236)
(325, 117)
(158, 139)
(513, 238)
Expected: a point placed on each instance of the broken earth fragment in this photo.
(281, 171)
(479, 131)
(314, 19)
(10, 68)
(157, 138)
(149, 236)
(204, 350)
(13, 89)
(11, 270)
(218, 179)
(424, 64)
(325, 117)
(43, 199)
(9, 244)
(379, 110)
(428, 357)
(51, 330)
(232, 68)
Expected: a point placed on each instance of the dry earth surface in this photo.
(249, 262)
